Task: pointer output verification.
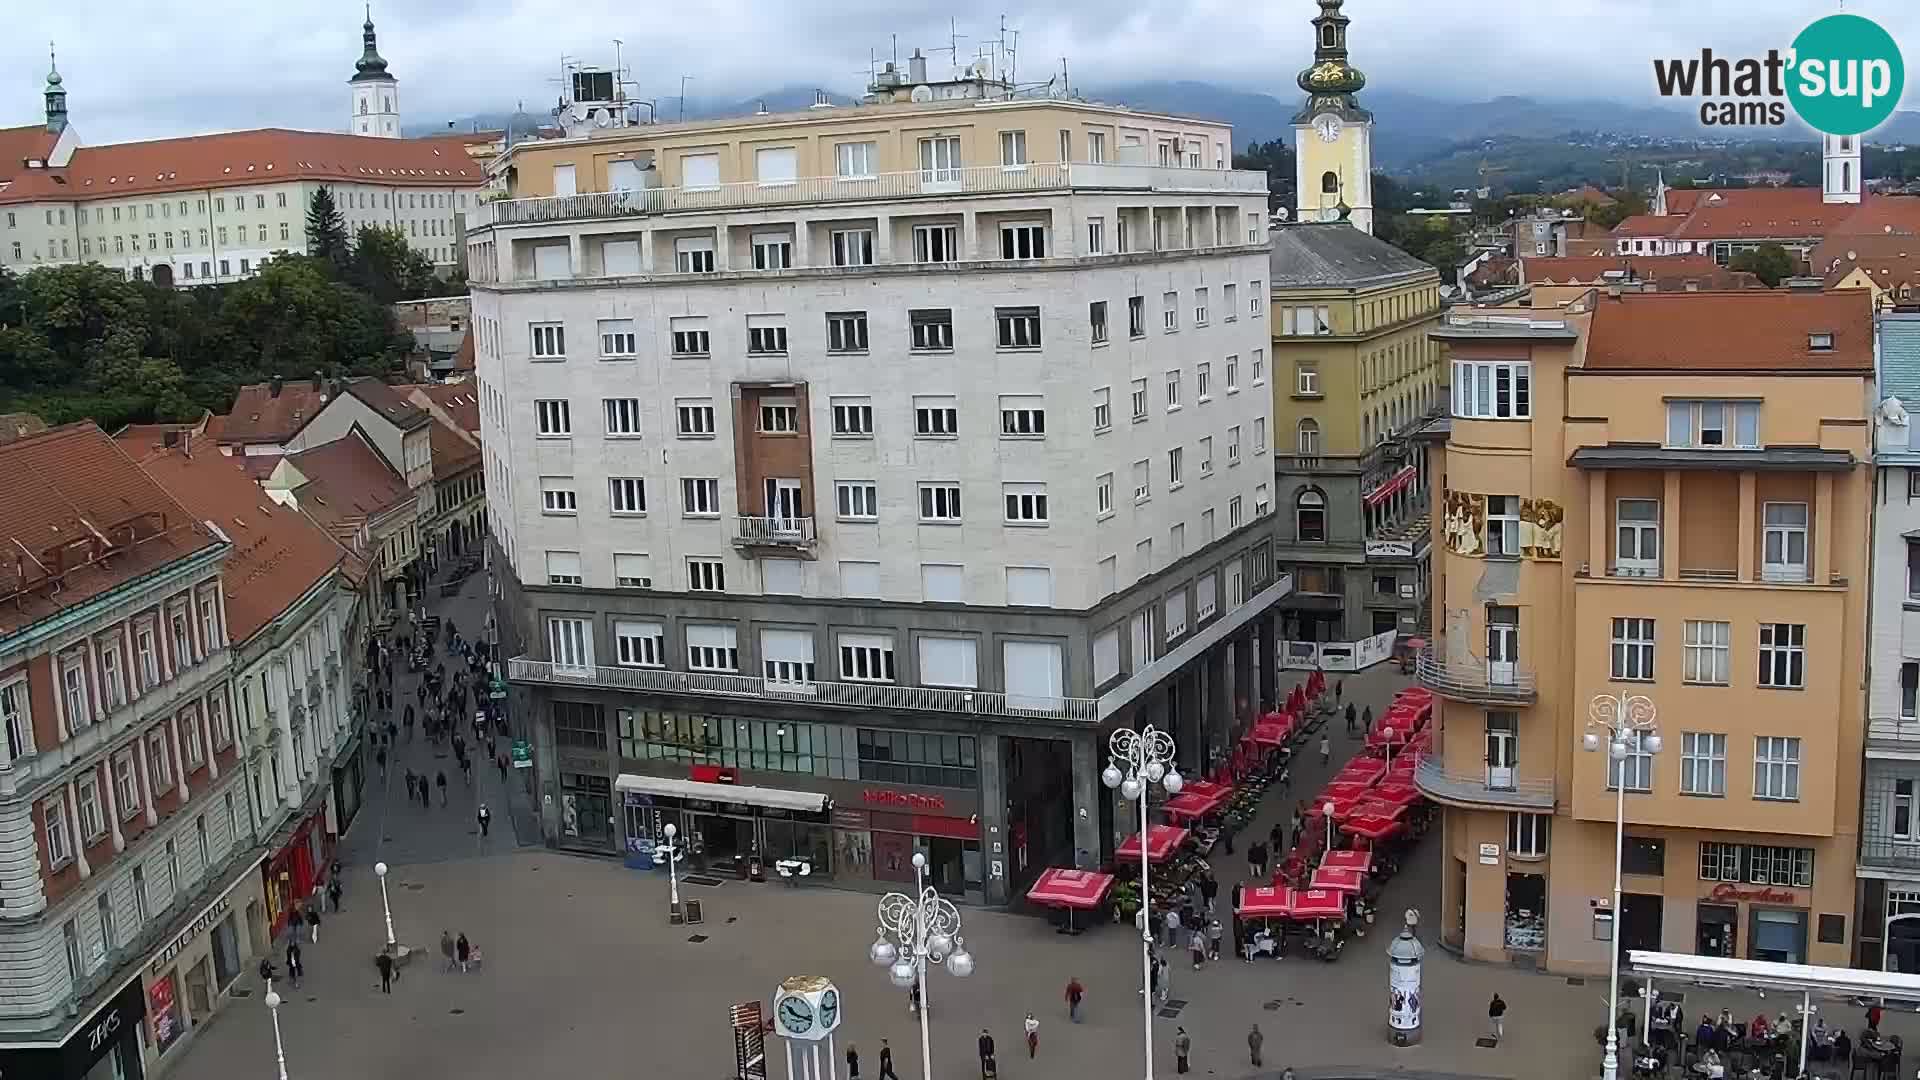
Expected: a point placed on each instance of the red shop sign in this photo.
(1763, 896)
(910, 800)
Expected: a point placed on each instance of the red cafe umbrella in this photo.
(1371, 827)
(1345, 789)
(1294, 700)
(1266, 902)
(1189, 805)
(1207, 788)
(1418, 695)
(1318, 904)
(1270, 734)
(1365, 770)
(1342, 805)
(1396, 792)
(1373, 806)
(1347, 859)
(1082, 889)
(1161, 842)
(1334, 879)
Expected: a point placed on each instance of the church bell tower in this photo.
(1332, 134)
(376, 93)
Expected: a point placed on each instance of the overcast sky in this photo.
(182, 66)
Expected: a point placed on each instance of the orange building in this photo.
(1665, 495)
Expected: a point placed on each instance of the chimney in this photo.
(274, 386)
(170, 438)
(1613, 290)
(186, 444)
(917, 68)
(318, 381)
(820, 100)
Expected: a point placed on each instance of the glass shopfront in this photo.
(586, 808)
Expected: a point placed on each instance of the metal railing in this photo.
(938, 183)
(1436, 781)
(773, 531)
(1883, 852)
(1473, 679)
(1894, 728)
(1708, 574)
(839, 694)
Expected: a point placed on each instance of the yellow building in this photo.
(1332, 134)
(1354, 371)
(1665, 496)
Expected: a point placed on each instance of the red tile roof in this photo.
(76, 509)
(278, 552)
(260, 156)
(140, 440)
(1681, 200)
(1588, 271)
(19, 145)
(1882, 215)
(1761, 214)
(1837, 255)
(1757, 330)
(453, 453)
(261, 416)
(463, 356)
(1647, 225)
(460, 401)
(347, 482)
(390, 403)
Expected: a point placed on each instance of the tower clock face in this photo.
(829, 1009)
(796, 1014)
(1327, 126)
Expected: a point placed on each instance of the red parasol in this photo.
(1161, 842)
(1266, 902)
(1397, 792)
(1345, 789)
(1207, 788)
(1081, 889)
(1318, 904)
(1190, 805)
(1347, 859)
(1334, 879)
(1417, 695)
(1371, 827)
(1371, 806)
(1364, 770)
(1270, 734)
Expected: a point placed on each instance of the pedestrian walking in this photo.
(486, 819)
(295, 969)
(411, 780)
(1497, 1017)
(1227, 830)
(1172, 940)
(853, 1062)
(313, 923)
(1215, 932)
(1366, 719)
(886, 1062)
(333, 893)
(1197, 945)
(1075, 993)
(913, 999)
(1255, 1041)
(385, 964)
(446, 948)
(393, 730)
(1257, 860)
(1153, 976)
(1033, 1036)
(380, 756)
(463, 952)
(501, 761)
(426, 796)
(1277, 838)
(1209, 889)
(1326, 751)
(1182, 1046)
(267, 974)
(1353, 718)
(988, 1068)
(466, 770)
(440, 781)
(1339, 690)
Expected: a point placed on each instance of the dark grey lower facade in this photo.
(1356, 536)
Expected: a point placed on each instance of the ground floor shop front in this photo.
(296, 863)
(104, 1045)
(1520, 886)
(186, 981)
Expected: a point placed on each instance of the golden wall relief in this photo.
(1465, 523)
(1540, 528)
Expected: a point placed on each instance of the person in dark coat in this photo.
(462, 951)
(988, 1068)
(853, 1062)
(1353, 718)
(313, 922)
(886, 1062)
(440, 781)
(295, 969)
(385, 964)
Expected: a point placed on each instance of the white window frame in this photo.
(1636, 766)
(559, 563)
(855, 160)
(553, 418)
(1776, 768)
(1633, 650)
(1493, 389)
(1780, 533)
(778, 416)
(866, 658)
(1703, 763)
(936, 417)
(618, 339)
(936, 243)
(700, 496)
(549, 341)
(1017, 329)
(766, 335)
(706, 573)
(939, 501)
(1707, 653)
(852, 417)
(627, 496)
(694, 418)
(716, 658)
(1139, 400)
(851, 247)
(624, 562)
(856, 500)
(1713, 424)
(639, 644)
(1013, 151)
(930, 329)
(1026, 503)
(691, 335)
(1103, 494)
(1023, 240)
(1638, 534)
(1783, 656)
(1176, 468)
(693, 255)
(1142, 481)
(60, 843)
(558, 497)
(1528, 835)
(1503, 526)
(1023, 416)
(1103, 409)
(622, 417)
(1173, 390)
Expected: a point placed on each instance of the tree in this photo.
(387, 268)
(326, 230)
(1626, 204)
(1275, 158)
(1768, 262)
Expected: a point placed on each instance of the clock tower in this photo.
(1332, 134)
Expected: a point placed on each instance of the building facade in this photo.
(1332, 134)
(879, 459)
(1663, 496)
(1354, 373)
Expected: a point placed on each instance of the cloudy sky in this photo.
(150, 68)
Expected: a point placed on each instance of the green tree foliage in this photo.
(1275, 158)
(387, 268)
(1768, 262)
(1625, 205)
(326, 230)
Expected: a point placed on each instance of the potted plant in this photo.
(1126, 899)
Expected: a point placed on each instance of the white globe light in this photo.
(273, 999)
(919, 860)
(379, 869)
(961, 963)
(672, 831)
(1652, 742)
(1327, 808)
(1154, 771)
(902, 973)
(940, 944)
(1173, 782)
(1130, 789)
(883, 954)
(1386, 733)
(1617, 748)
(1111, 776)
(1590, 740)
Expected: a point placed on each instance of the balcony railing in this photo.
(838, 694)
(779, 532)
(1902, 729)
(1885, 853)
(932, 183)
(1434, 780)
(1474, 679)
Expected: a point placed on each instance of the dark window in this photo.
(1644, 855)
(579, 724)
(1909, 687)
(1833, 929)
(1913, 564)
(929, 759)
(1329, 182)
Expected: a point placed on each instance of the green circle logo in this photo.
(1845, 76)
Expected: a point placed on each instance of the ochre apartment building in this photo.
(1660, 495)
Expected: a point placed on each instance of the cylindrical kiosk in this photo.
(1404, 957)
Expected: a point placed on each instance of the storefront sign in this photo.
(165, 1011)
(1489, 854)
(194, 929)
(521, 753)
(850, 819)
(1389, 549)
(109, 1030)
(1728, 891)
(909, 799)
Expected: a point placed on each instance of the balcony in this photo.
(1883, 854)
(775, 535)
(1441, 785)
(834, 694)
(1475, 680)
(918, 183)
(1893, 736)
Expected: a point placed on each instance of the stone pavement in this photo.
(584, 977)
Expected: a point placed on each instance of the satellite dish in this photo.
(579, 114)
(602, 117)
(923, 92)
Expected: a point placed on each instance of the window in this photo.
(73, 690)
(86, 797)
(932, 329)
(16, 719)
(1026, 503)
(786, 657)
(617, 341)
(159, 761)
(1142, 481)
(695, 416)
(557, 495)
(1199, 307)
(1096, 147)
(1203, 381)
(1302, 321)
(706, 574)
(553, 418)
(779, 416)
(1261, 503)
(1103, 409)
(712, 648)
(1776, 767)
(1096, 236)
(1307, 380)
(1022, 416)
(1703, 763)
(1206, 456)
(1783, 655)
(1139, 399)
(1013, 149)
(627, 494)
(772, 251)
(856, 500)
(866, 658)
(1176, 472)
(1637, 538)
(549, 341)
(632, 571)
(1233, 374)
(1259, 435)
(700, 496)
(190, 746)
(1909, 688)
(1097, 321)
(1173, 390)
(1900, 814)
(690, 337)
(940, 160)
(1503, 525)
(852, 247)
(1233, 446)
(1019, 327)
(939, 502)
(855, 160)
(1632, 656)
(947, 661)
(1706, 657)
(1636, 767)
(1527, 834)
(943, 583)
(59, 842)
(936, 417)
(766, 335)
(1486, 390)
(936, 243)
(623, 416)
(1719, 425)
(1023, 240)
(1913, 550)
(1783, 542)
(852, 417)
(1170, 311)
(1136, 316)
(1103, 494)
(693, 255)
(563, 568)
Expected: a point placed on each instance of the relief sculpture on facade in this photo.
(1540, 527)
(1465, 522)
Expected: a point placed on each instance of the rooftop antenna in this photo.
(619, 73)
(953, 47)
(684, 80)
(1066, 84)
(1012, 48)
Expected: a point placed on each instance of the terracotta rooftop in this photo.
(1765, 330)
(1681, 200)
(80, 518)
(1590, 271)
(278, 552)
(463, 356)
(390, 403)
(1648, 225)
(347, 482)
(1888, 258)
(260, 415)
(1760, 214)
(260, 156)
(460, 401)
(453, 452)
(18, 145)
(141, 440)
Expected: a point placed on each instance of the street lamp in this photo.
(926, 928)
(279, 1051)
(1141, 759)
(380, 871)
(1326, 812)
(1387, 734)
(1623, 723)
(670, 853)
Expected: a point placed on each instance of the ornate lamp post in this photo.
(279, 1051)
(670, 853)
(1326, 814)
(380, 871)
(1387, 734)
(1618, 722)
(1141, 759)
(916, 931)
